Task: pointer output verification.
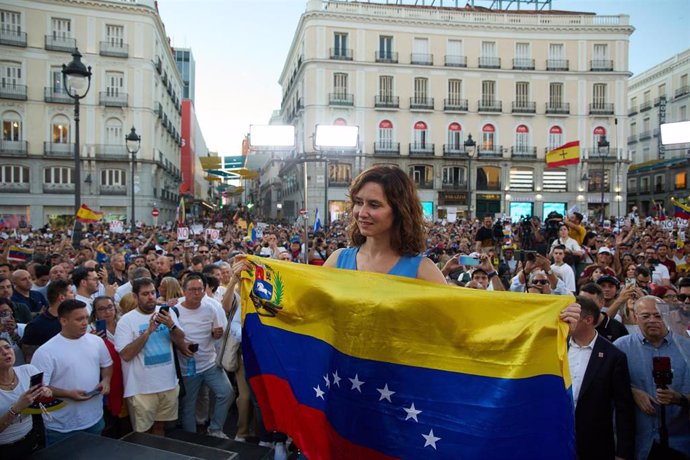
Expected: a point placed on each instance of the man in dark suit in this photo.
(601, 390)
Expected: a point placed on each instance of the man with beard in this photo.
(681, 318)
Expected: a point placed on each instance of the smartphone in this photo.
(630, 282)
(193, 347)
(469, 261)
(100, 326)
(36, 379)
(165, 308)
(94, 392)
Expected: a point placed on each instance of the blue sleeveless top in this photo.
(406, 266)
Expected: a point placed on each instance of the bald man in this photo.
(34, 300)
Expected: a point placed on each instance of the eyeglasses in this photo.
(683, 297)
(543, 282)
(106, 308)
(203, 252)
(671, 297)
(196, 289)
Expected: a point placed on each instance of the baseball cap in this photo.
(609, 279)
(605, 250)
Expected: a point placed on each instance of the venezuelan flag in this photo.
(566, 154)
(682, 211)
(401, 368)
(87, 215)
(19, 254)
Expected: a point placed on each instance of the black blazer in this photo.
(605, 394)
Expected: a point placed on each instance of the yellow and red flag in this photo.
(566, 154)
(87, 215)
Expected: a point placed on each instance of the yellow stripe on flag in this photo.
(566, 154)
(88, 215)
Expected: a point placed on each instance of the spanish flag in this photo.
(681, 210)
(566, 154)
(403, 368)
(87, 215)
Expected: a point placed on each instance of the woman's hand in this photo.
(29, 396)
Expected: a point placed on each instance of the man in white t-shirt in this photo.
(144, 339)
(561, 269)
(202, 326)
(77, 367)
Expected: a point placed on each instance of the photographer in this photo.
(536, 262)
(573, 251)
(575, 229)
(484, 239)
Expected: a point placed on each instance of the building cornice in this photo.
(642, 81)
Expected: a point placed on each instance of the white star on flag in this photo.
(412, 413)
(430, 439)
(328, 382)
(319, 392)
(356, 383)
(336, 379)
(385, 393)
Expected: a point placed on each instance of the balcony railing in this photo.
(632, 139)
(495, 151)
(425, 184)
(455, 185)
(13, 38)
(58, 149)
(601, 108)
(390, 57)
(13, 187)
(454, 150)
(341, 99)
(387, 148)
(421, 103)
(55, 43)
(601, 65)
(158, 64)
(18, 148)
(112, 99)
(113, 190)
(112, 48)
(159, 110)
(558, 108)
(58, 188)
(523, 64)
(455, 61)
(455, 105)
(50, 94)
(524, 107)
(489, 186)
(341, 54)
(386, 102)
(632, 110)
(657, 100)
(113, 152)
(645, 135)
(419, 149)
(682, 91)
(422, 59)
(490, 106)
(558, 64)
(522, 151)
(9, 90)
(646, 105)
(489, 62)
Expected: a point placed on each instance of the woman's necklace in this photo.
(12, 383)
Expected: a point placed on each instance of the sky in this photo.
(240, 47)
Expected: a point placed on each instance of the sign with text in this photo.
(212, 233)
(116, 226)
(182, 233)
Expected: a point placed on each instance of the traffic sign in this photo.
(233, 162)
(155, 212)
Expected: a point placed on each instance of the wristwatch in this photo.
(174, 326)
(492, 274)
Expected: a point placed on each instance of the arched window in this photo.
(60, 132)
(488, 178)
(385, 134)
(522, 139)
(555, 137)
(11, 127)
(488, 138)
(597, 134)
(113, 132)
(420, 135)
(455, 140)
(422, 175)
(113, 178)
(340, 122)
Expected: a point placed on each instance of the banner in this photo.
(212, 233)
(116, 226)
(402, 368)
(182, 233)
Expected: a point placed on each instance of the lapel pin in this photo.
(601, 354)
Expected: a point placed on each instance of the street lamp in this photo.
(76, 78)
(470, 145)
(603, 150)
(133, 142)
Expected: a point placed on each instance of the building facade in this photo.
(184, 59)
(658, 95)
(134, 83)
(419, 80)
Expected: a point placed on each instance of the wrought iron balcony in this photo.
(632, 139)
(682, 91)
(12, 38)
(495, 151)
(557, 64)
(647, 134)
(55, 43)
(422, 59)
(159, 110)
(489, 62)
(113, 190)
(601, 65)
(524, 107)
(454, 185)
(112, 99)
(58, 149)
(601, 108)
(112, 152)
(341, 99)
(58, 188)
(425, 184)
(490, 106)
(55, 95)
(455, 105)
(421, 103)
(115, 49)
(455, 61)
(158, 64)
(390, 57)
(14, 187)
(386, 102)
(632, 110)
(454, 150)
(14, 148)
(646, 105)
(387, 148)
(523, 152)
(558, 108)
(424, 150)
(523, 64)
(9, 90)
(341, 54)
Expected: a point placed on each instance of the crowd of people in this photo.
(129, 329)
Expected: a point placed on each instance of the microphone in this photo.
(662, 371)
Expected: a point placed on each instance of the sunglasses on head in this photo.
(543, 282)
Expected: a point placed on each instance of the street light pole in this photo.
(470, 144)
(77, 81)
(133, 142)
(603, 149)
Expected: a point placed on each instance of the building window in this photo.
(556, 52)
(60, 132)
(455, 140)
(60, 29)
(340, 84)
(11, 174)
(681, 180)
(523, 56)
(420, 90)
(600, 56)
(11, 127)
(632, 185)
(645, 124)
(682, 113)
(113, 132)
(522, 179)
(633, 129)
(454, 91)
(386, 87)
(659, 183)
(521, 93)
(597, 134)
(10, 22)
(455, 54)
(385, 134)
(522, 139)
(115, 82)
(555, 180)
(489, 178)
(599, 95)
(488, 137)
(422, 175)
(556, 94)
(58, 175)
(56, 84)
(115, 35)
(385, 48)
(454, 176)
(10, 75)
(420, 52)
(647, 97)
(597, 180)
(662, 90)
(113, 177)
(555, 137)
(488, 92)
(340, 45)
(340, 173)
(420, 134)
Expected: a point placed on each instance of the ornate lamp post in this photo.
(133, 141)
(603, 150)
(470, 146)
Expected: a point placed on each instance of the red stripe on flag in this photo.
(555, 164)
(309, 427)
(568, 145)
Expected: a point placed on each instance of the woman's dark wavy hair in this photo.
(408, 235)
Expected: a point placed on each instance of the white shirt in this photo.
(569, 243)
(578, 359)
(21, 425)
(565, 273)
(198, 324)
(73, 364)
(122, 291)
(660, 273)
(87, 300)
